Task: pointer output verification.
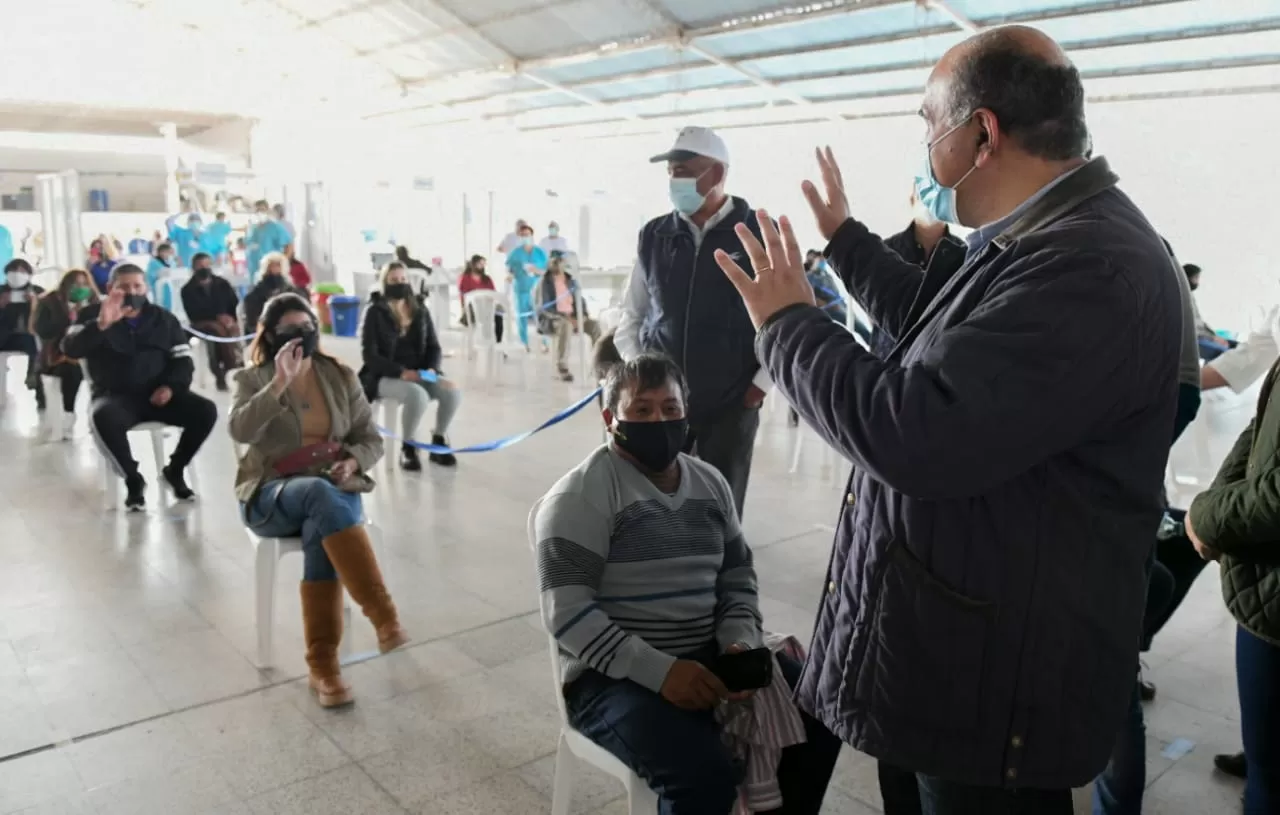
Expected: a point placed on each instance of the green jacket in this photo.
(1239, 515)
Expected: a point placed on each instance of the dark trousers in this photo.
(899, 789)
(223, 356)
(680, 752)
(112, 417)
(70, 376)
(727, 442)
(939, 797)
(1258, 682)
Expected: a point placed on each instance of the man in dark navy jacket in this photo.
(680, 304)
(985, 595)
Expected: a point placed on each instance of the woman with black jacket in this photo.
(402, 362)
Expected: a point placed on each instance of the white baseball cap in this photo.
(695, 141)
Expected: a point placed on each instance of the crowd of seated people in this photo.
(54, 315)
(401, 361)
(309, 442)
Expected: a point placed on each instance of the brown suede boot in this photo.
(322, 629)
(352, 557)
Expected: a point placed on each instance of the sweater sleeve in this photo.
(738, 619)
(180, 368)
(571, 545)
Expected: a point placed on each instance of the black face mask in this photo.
(272, 281)
(203, 274)
(134, 301)
(310, 339)
(398, 291)
(654, 444)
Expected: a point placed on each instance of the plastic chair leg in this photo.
(264, 573)
(157, 450)
(566, 773)
(801, 432)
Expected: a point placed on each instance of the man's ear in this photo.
(607, 415)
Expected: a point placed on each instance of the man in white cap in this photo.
(678, 304)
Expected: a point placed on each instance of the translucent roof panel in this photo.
(606, 64)
(570, 26)
(901, 19)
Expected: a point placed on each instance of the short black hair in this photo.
(1038, 102)
(1190, 270)
(18, 265)
(645, 372)
(199, 256)
(121, 269)
(523, 227)
(163, 245)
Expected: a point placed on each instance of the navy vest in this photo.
(695, 315)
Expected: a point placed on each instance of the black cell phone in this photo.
(745, 670)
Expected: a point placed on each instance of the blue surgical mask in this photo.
(527, 241)
(685, 196)
(937, 200)
(553, 231)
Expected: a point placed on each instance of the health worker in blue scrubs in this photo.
(525, 265)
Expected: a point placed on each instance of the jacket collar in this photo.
(1083, 183)
(673, 224)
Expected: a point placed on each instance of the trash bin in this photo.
(323, 292)
(344, 309)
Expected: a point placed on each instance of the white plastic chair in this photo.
(157, 431)
(53, 415)
(267, 554)
(5, 356)
(389, 408)
(575, 747)
(481, 306)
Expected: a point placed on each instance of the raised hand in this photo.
(779, 266)
(834, 210)
(288, 364)
(113, 310)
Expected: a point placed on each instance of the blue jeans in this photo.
(308, 506)
(1258, 682)
(940, 797)
(680, 754)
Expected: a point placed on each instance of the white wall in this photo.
(132, 182)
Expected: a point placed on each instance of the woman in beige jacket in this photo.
(293, 408)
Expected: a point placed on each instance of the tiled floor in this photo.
(126, 681)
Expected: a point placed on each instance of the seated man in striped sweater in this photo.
(645, 577)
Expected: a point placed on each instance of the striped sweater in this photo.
(632, 578)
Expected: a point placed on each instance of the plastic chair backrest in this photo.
(482, 305)
(557, 681)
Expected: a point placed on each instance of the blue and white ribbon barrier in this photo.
(547, 306)
(497, 444)
(210, 338)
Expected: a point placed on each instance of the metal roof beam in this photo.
(830, 107)
(516, 66)
(1197, 32)
(944, 8)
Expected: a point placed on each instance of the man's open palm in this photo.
(832, 211)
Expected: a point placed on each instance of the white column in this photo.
(172, 163)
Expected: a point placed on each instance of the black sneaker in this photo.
(177, 484)
(565, 375)
(443, 459)
(1146, 690)
(1233, 764)
(409, 458)
(136, 499)
(220, 382)
(41, 403)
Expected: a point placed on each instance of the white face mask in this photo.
(18, 280)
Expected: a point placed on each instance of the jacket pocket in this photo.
(928, 649)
